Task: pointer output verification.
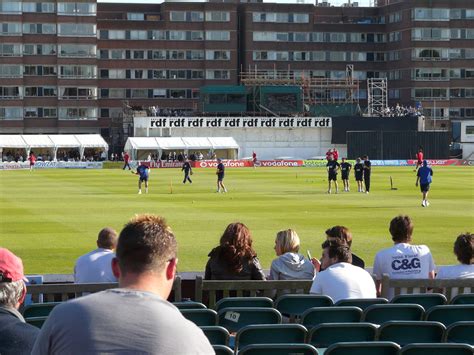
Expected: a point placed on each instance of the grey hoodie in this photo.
(291, 266)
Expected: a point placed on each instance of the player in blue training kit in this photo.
(143, 171)
(423, 176)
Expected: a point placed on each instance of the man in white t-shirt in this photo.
(464, 250)
(96, 266)
(340, 279)
(403, 260)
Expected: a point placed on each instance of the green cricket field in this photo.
(51, 217)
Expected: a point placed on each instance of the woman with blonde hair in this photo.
(234, 258)
(290, 265)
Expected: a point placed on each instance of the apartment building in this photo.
(77, 66)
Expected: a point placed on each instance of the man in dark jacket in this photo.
(16, 336)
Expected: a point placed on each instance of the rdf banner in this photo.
(239, 122)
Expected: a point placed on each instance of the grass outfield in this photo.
(50, 217)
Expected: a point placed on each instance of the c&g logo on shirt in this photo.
(406, 264)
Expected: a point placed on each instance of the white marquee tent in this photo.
(140, 147)
(53, 142)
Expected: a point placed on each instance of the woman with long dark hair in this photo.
(234, 258)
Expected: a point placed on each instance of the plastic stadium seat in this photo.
(36, 321)
(381, 313)
(359, 348)
(437, 349)
(460, 332)
(216, 335)
(270, 334)
(426, 300)
(235, 318)
(362, 303)
(39, 309)
(318, 315)
(327, 334)
(201, 317)
(189, 305)
(223, 350)
(451, 313)
(405, 332)
(279, 349)
(463, 298)
(244, 302)
(296, 305)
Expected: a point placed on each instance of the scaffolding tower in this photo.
(377, 100)
(315, 90)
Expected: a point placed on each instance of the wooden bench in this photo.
(64, 292)
(449, 288)
(251, 288)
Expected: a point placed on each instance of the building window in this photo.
(10, 92)
(78, 29)
(135, 16)
(469, 129)
(10, 71)
(43, 7)
(11, 113)
(10, 50)
(430, 14)
(10, 7)
(79, 51)
(217, 16)
(10, 29)
(217, 35)
(78, 113)
(178, 16)
(77, 9)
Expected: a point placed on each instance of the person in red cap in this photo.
(16, 336)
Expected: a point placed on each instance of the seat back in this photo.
(216, 335)
(201, 317)
(318, 315)
(244, 302)
(449, 314)
(296, 305)
(189, 305)
(437, 349)
(235, 318)
(270, 334)
(324, 335)
(463, 298)
(222, 350)
(426, 300)
(279, 349)
(39, 309)
(36, 321)
(381, 313)
(363, 348)
(362, 303)
(407, 332)
(460, 332)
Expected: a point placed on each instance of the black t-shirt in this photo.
(345, 168)
(332, 166)
(186, 167)
(220, 168)
(367, 167)
(359, 169)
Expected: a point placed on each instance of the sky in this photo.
(333, 2)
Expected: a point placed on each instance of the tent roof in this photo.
(38, 141)
(92, 141)
(12, 141)
(65, 141)
(176, 143)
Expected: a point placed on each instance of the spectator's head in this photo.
(331, 157)
(287, 241)
(339, 234)
(219, 160)
(358, 160)
(365, 157)
(464, 248)
(335, 252)
(236, 246)
(12, 280)
(420, 149)
(146, 255)
(425, 163)
(107, 238)
(343, 160)
(401, 229)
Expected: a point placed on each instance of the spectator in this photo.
(343, 235)
(403, 260)
(290, 265)
(96, 266)
(135, 318)
(234, 258)
(464, 251)
(16, 337)
(340, 279)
